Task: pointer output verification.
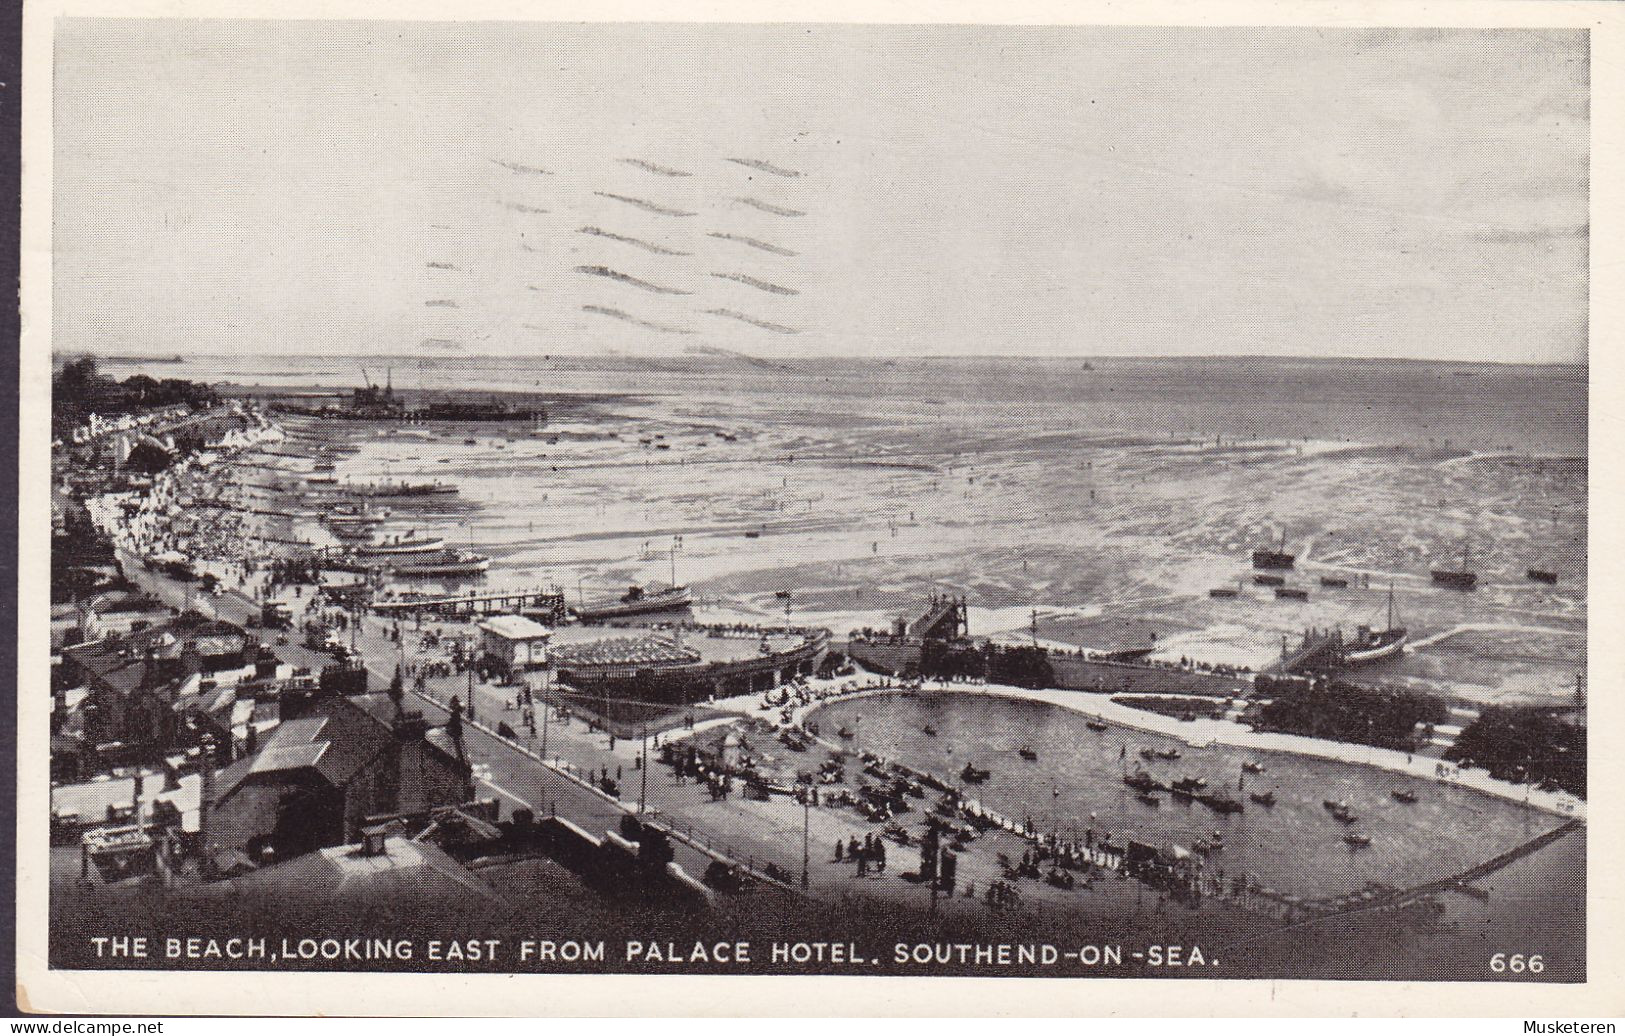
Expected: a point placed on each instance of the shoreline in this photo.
(1223, 732)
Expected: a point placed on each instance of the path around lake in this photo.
(1203, 732)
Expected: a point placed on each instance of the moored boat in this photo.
(1274, 557)
(637, 601)
(1462, 578)
(408, 543)
(1263, 798)
(1369, 645)
(445, 563)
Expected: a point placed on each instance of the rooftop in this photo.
(515, 627)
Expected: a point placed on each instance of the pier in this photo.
(477, 603)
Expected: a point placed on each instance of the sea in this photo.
(1062, 498)
(1065, 500)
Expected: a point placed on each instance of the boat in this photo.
(1335, 582)
(1456, 579)
(928, 730)
(1148, 754)
(1542, 575)
(1149, 799)
(1221, 802)
(971, 775)
(410, 543)
(1369, 645)
(1168, 753)
(752, 534)
(783, 595)
(1274, 557)
(445, 563)
(636, 601)
(401, 489)
(1357, 840)
(1028, 754)
(1291, 593)
(1141, 781)
(1251, 767)
(1269, 580)
(1344, 815)
(845, 732)
(1263, 798)
(1404, 795)
(1190, 784)
(1224, 591)
(1097, 725)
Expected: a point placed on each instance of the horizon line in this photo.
(726, 354)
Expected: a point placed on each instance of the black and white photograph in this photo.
(1032, 501)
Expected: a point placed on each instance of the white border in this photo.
(169, 993)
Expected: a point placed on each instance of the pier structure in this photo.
(1319, 651)
(546, 600)
(945, 619)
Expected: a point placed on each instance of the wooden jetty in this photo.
(482, 602)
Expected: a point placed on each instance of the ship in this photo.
(636, 601)
(1456, 579)
(1263, 580)
(411, 543)
(397, 489)
(1369, 645)
(1028, 754)
(1404, 795)
(445, 563)
(1291, 593)
(1334, 582)
(971, 775)
(1542, 575)
(1273, 557)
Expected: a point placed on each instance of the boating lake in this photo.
(1295, 847)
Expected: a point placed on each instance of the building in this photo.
(514, 643)
(331, 764)
(132, 682)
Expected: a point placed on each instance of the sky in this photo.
(526, 188)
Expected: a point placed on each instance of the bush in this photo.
(1335, 711)
(1525, 744)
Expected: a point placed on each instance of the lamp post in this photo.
(643, 794)
(807, 793)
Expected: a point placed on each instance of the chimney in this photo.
(135, 803)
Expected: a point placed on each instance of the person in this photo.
(839, 850)
(880, 856)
